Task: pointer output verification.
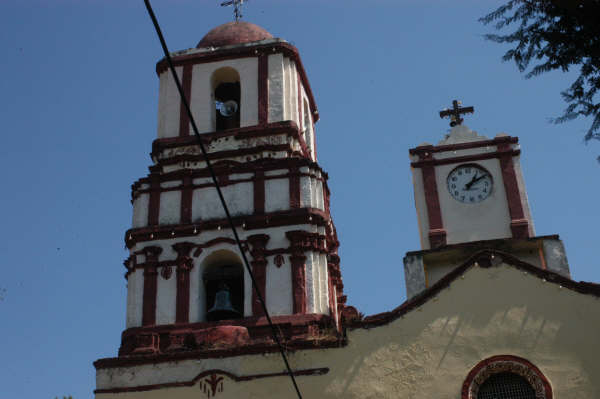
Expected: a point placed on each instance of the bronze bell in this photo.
(222, 308)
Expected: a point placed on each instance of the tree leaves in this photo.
(556, 35)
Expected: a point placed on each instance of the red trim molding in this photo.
(463, 146)
(186, 199)
(184, 266)
(150, 285)
(465, 158)
(437, 234)
(259, 268)
(519, 225)
(263, 89)
(294, 183)
(297, 240)
(501, 364)
(210, 373)
(154, 201)
(259, 192)
(184, 119)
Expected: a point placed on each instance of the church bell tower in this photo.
(188, 292)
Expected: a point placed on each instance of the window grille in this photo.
(506, 386)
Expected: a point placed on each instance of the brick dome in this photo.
(233, 33)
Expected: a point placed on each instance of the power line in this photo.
(221, 197)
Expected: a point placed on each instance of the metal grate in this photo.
(506, 386)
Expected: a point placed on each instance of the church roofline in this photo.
(255, 49)
(485, 259)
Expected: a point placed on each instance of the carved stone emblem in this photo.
(166, 272)
(279, 260)
(211, 385)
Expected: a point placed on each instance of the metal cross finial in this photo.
(455, 113)
(237, 7)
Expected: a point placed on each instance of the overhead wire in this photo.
(185, 102)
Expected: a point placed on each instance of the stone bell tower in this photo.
(253, 105)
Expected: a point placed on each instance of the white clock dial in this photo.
(469, 183)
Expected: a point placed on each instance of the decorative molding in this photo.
(464, 158)
(311, 216)
(510, 364)
(519, 226)
(209, 374)
(258, 242)
(463, 146)
(437, 233)
(150, 285)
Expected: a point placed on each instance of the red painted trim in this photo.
(184, 119)
(150, 285)
(519, 226)
(186, 200)
(154, 200)
(250, 377)
(263, 89)
(436, 234)
(213, 156)
(298, 241)
(465, 158)
(294, 187)
(184, 266)
(245, 51)
(494, 365)
(463, 146)
(259, 192)
(273, 219)
(259, 268)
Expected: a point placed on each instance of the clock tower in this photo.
(470, 195)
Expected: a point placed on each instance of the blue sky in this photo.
(78, 116)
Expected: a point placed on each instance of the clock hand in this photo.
(469, 184)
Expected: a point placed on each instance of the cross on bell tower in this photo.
(237, 7)
(455, 113)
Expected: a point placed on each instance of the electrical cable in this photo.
(220, 193)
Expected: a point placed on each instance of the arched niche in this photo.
(226, 91)
(221, 269)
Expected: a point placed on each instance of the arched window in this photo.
(223, 278)
(506, 386)
(506, 377)
(226, 97)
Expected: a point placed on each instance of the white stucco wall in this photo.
(166, 298)
(169, 104)
(170, 207)
(135, 297)
(276, 88)
(426, 353)
(206, 204)
(279, 287)
(140, 211)
(277, 194)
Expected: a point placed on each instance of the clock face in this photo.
(469, 183)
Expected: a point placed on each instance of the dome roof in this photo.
(233, 33)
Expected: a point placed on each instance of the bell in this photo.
(222, 308)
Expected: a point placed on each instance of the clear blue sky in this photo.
(78, 116)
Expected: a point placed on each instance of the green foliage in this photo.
(556, 35)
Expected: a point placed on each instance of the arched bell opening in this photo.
(223, 279)
(226, 97)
